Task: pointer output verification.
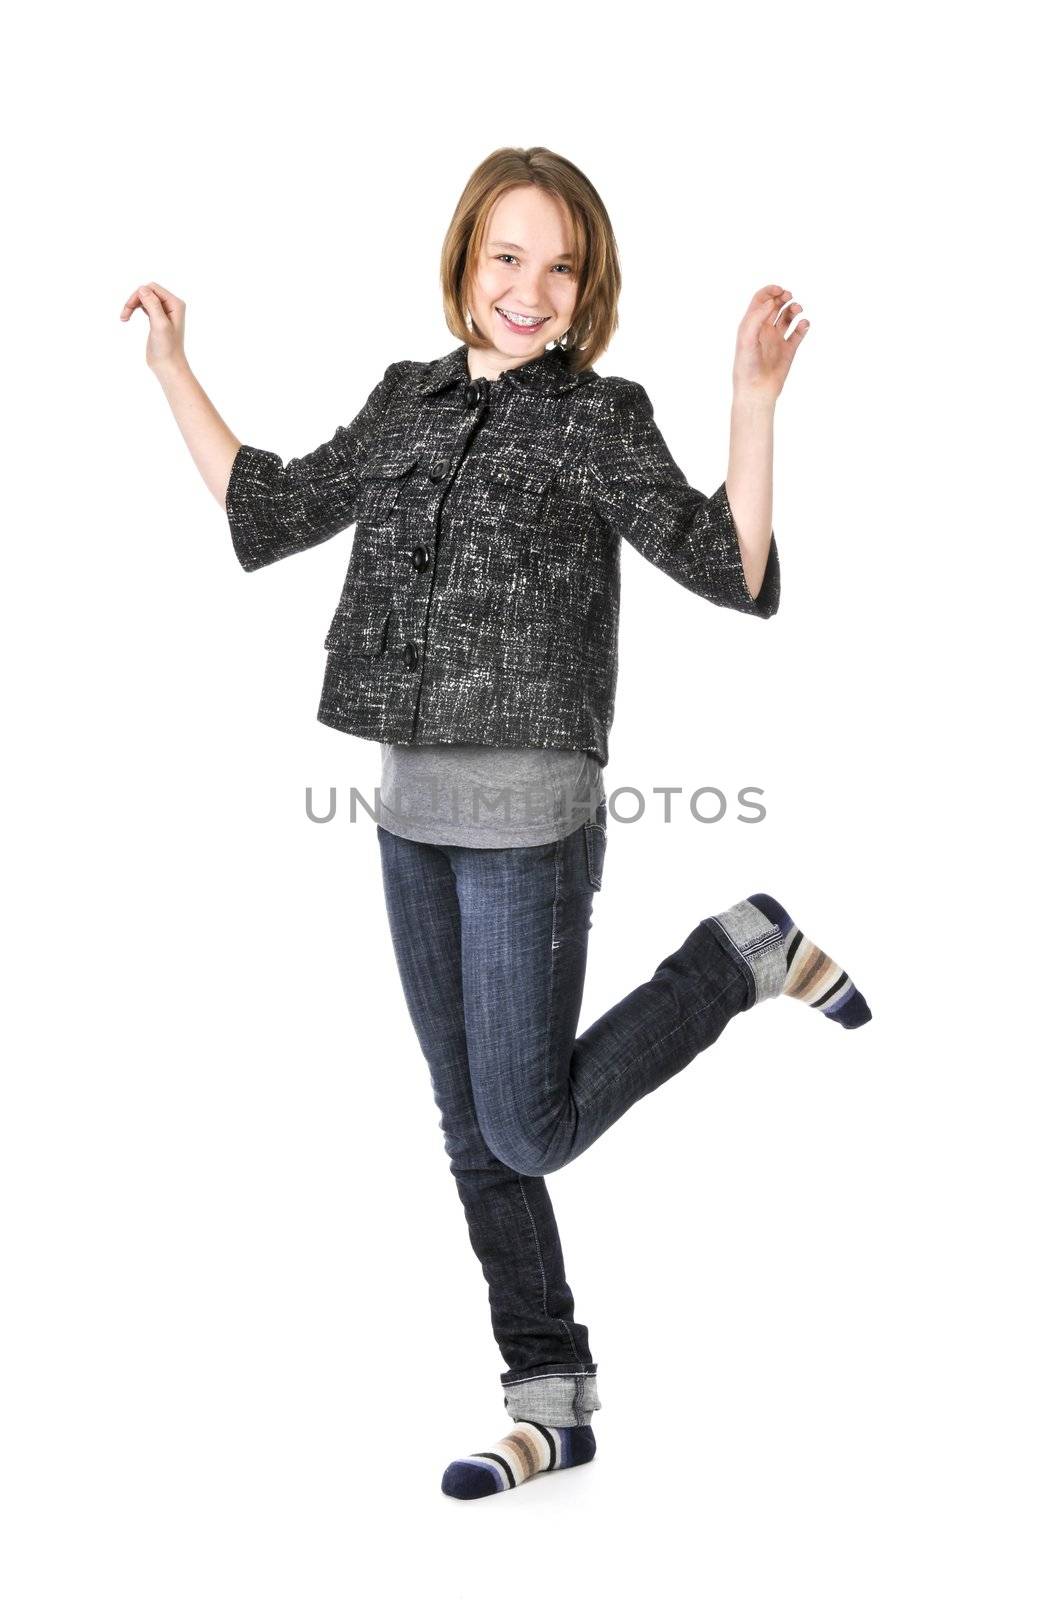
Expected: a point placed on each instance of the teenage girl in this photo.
(489, 906)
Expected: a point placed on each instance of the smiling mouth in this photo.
(520, 322)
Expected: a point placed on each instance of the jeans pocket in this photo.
(595, 841)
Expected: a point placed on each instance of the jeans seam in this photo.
(537, 1377)
(747, 965)
(559, 848)
(558, 845)
(738, 978)
(542, 1269)
(590, 847)
(706, 1007)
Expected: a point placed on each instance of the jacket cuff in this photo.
(766, 603)
(251, 472)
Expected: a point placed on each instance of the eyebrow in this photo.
(507, 244)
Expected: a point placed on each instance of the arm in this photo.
(763, 356)
(212, 444)
(640, 492)
(274, 509)
(721, 546)
(749, 483)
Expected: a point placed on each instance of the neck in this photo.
(491, 365)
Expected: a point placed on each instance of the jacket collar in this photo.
(549, 373)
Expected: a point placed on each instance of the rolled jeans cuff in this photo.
(557, 1400)
(759, 945)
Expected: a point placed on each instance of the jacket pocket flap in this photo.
(359, 633)
(527, 475)
(392, 464)
(381, 483)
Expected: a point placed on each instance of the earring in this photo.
(468, 319)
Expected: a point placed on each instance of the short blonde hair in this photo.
(596, 264)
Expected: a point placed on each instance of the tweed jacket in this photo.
(482, 598)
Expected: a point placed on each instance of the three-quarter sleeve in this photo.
(276, 509)
(641, 493)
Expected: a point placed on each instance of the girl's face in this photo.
(527, 269)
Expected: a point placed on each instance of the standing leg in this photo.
(550, 1378)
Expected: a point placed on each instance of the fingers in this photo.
(765, 304)
(151, 296)
(144, 297)
(130, 306)
(169, 300)
(787, 318)
(773, 305)
(153, 306)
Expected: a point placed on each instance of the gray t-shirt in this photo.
(486, 797)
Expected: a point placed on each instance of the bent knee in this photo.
(521, 1155)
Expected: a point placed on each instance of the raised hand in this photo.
(763, 353)
(166, 318)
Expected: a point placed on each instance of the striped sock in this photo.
(529, 1448)
(811, 975)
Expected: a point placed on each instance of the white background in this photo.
(244, 1330)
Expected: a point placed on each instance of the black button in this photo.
(420, 557)
(472, 394)
(438, 470)
(411, 655)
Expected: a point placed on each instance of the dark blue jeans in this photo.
(492, 951)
